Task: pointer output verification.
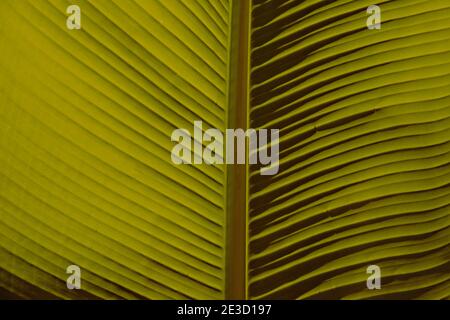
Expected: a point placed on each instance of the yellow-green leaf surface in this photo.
(86, 176)
(364, 119)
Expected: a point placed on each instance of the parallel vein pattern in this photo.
(364, 119)
(86, 175)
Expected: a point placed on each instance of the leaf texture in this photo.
(364, 119)
(86, 175)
